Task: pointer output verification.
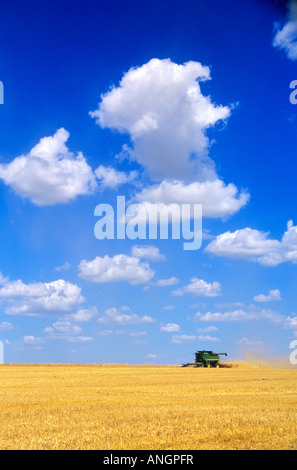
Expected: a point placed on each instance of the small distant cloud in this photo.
(180, 339)
(208, 329)
(251, 313)
(205, 338)
(111, 178)
(137, 334)
(151, 356)
(169, 307)
(5, 326)
(170, 328)
(33, 341)
(83, 315)
(64, 267)
(274, 295)
(117, 315)
(167, 282)
(148, 252)
(199, 288)
(62, 330)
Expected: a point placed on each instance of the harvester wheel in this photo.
(208, 365)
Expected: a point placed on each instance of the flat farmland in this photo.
(131, 407)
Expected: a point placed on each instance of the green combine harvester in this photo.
(206, 359)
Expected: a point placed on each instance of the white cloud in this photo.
(256, 246)
(83, 315)
(116, 269)
(251, 343)
(80, 339)
(161, 107)
(180, 339)
(199, 288)
(170, 328)
(251, 314)
(148, 252)
(49, 174)
(33, 341)
(207, 338)
(137, 334)
(229, 305)
(117, 315)
(273, 295)
(208, 329)
(62, 330)
(291, 322)
(171, 281)
(105, 333)
(5, 326)
(111, 178)
(217, 199)
(64, 267)
(39, 298)
(151, 356)
(286, 37)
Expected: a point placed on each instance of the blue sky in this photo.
(169, 102)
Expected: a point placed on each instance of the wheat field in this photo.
(130, 407)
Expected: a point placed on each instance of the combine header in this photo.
(206, 359)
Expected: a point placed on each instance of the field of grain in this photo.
(147, 407)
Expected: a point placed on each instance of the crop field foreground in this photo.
(131, 407)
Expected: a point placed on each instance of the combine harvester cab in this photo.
(206, 359)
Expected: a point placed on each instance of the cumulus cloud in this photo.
(286, 37)
(118, 268)
(62, 330)
(161, 106)
(109, 177)
(118, 315)
(273, 295)
(49, 174)
(83, 315)
(199, 288)
(170, 328)
(148, 252)
(48, 298)
(253, 245)
(217, 199)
